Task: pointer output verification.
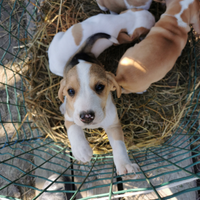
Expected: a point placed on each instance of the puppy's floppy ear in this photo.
(114, 84)
(60, 91)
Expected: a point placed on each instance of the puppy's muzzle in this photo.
(87, 117)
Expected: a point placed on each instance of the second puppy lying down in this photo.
(88, 103)
(151, 59)
(128, 26)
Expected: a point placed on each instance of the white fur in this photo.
(86, 99)
(128, 6)
(141, 92)
(184, 5)
(121, 159)
(79, 145)
(145, 7)
(63, 45)
(102, 44)
(109, 119)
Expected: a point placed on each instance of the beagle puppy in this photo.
(117, 6)
(122, 28)
(85, 91)
(151, 59)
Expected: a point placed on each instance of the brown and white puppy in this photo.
(123, 28)
(117, 6)
(151, 59)
(86, 92)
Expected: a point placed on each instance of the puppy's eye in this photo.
(99, 87)
(71, 92)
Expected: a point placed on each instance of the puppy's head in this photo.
(86, 87)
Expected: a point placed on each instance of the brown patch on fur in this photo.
(175, 7)
(115, 5)
(68, 124)
(100, 2)
(77, 33)
(139, 32)
(115, 130)
(60, 91)
(98, 72)
(137, 2)
(113, 83)
(123, 37)
(70, 81)
(98, 76)
(194, 16)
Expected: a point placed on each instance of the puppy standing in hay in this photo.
(88, 103)
(160, 49)
(65, 44)
(117, 6)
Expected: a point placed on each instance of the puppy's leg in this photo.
(121, 159)
(79, 145)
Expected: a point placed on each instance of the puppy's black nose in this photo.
(87, 117)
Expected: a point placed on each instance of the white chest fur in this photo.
(111, 114)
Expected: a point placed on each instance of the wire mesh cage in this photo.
(28, 159)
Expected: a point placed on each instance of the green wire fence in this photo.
(27, 159)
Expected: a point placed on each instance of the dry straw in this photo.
(147, 119)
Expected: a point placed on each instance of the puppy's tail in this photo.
(86, 47)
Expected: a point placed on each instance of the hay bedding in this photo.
(147, 119)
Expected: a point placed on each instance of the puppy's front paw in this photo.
(128, 168)
(82, 152)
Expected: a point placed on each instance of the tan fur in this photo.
(115, 131)
(77, 33)
(70, 81)
(141, 31)
(114, 85)
(123, 36)
(68, 124)
(98, 76)
(137, 2)
(116, 6)
(152, 58)
(60, 91)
